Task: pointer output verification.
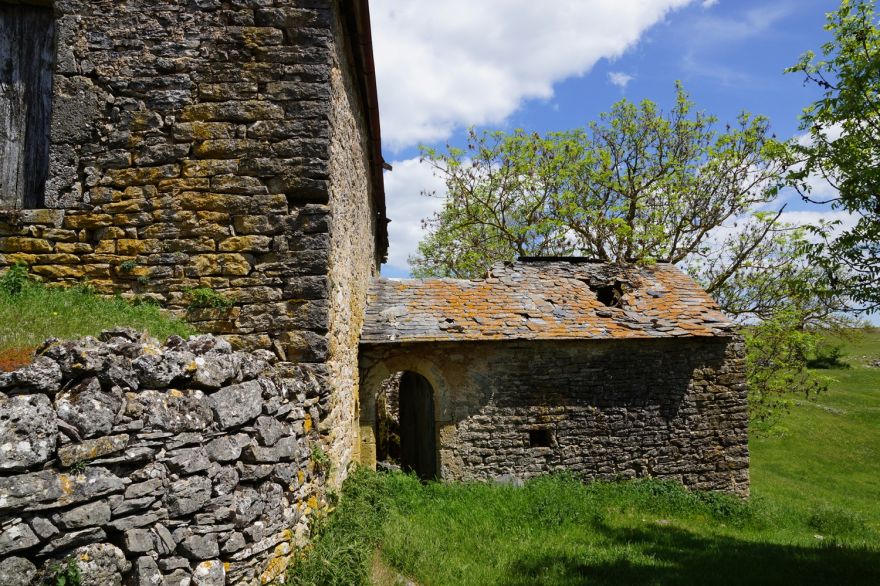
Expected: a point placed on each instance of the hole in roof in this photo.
(609, 294)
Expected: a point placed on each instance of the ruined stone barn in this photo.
(549, 365)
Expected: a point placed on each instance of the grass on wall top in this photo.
(31, 312)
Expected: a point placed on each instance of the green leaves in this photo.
(14, 279)
(843, 127)
(778, 352)
(639, 184)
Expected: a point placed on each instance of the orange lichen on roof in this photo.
(544, 300)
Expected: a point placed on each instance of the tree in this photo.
(643, 186)
(639, 185)
(843, 146)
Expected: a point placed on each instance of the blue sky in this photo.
(505, 64)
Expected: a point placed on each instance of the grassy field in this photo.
(814, 517)
(826, 453)
(30, 313)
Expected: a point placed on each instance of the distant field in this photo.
(814, 517)
(827, 452)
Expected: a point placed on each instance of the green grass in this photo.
(36, 312)
(826, 453)
(812, 519)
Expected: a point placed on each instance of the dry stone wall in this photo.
(666, 408)
(149, 464)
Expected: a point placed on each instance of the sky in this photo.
(443, 66)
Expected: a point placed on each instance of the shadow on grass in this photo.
(681, 557)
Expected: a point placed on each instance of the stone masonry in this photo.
(606, 409)
(228, 146)
(548, 365)
(186, 463)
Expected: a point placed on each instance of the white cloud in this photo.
(620, 79)
(820, 188)
(707, 32)
(407, 207)
(443, 65)
(708, 3)
(712, 29)
(843, 220)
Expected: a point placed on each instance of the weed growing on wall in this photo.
(65, 573)
(203, 297)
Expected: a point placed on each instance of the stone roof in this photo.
(544, 299)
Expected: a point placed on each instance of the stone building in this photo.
(157, 147)
(221, 158)
(548, 365)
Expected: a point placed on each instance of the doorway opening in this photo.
(406, 430)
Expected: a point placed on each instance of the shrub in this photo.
(14, 279)
(204, 297)
(828, 355)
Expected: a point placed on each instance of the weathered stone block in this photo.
(87, 221)
(246, 244)
(236, 405)
(188, 461)
(89, 515)
(49, 489)
(244, 111)
(28, 431)
(87, 407)
(16, 571)
(27, 245)
(173, 410)
(101, 564)
(209, 168)
(210, 573)
(200, 547)
(221, 264)
(188, 495)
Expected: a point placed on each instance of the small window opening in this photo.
(610, 295)
(540, 438)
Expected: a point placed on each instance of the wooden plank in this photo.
(38, 55)
(27, 36)
(12, 116)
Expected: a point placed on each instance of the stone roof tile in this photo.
(539, 300)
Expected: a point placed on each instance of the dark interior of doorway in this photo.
(406, 432)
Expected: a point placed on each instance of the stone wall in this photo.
(673, 408)
(190, 148)
(353, 257)
(186, 463)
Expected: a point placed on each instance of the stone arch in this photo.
(374, 370)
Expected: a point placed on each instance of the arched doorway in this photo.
(418, 444)
(406, 428)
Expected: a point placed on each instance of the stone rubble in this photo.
(182, 463)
